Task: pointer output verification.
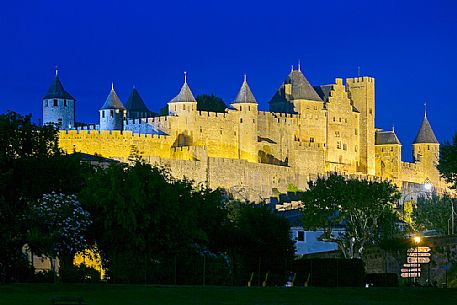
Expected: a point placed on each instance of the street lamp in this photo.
(428, 185)
(417, 240)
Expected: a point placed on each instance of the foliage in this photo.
(31, 165)
(210, 103)
(448, 162)
(292, 188)
(432, 213)
(357, 204)
(260, 240)
(142, 217)
(408, 209)
(58, 225)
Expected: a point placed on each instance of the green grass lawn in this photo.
(101, 294)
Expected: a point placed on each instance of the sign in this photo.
(411, 265)
(411, 270)
(423, 254)
(420, 260)
(410, 275)
(420, 249)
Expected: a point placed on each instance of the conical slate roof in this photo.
(245, 94)
(135, 102)
(112, 101)
(425, 134)
(56, 90)
(386, 137)
(185, 94)
(301, 89)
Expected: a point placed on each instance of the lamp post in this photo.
(417, 240)
(450, 222)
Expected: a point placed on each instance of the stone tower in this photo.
(247, 107)
(58, 106)
(362, 94)
(112, 113)
(388, 155)
(184, 102)
(426, 150)
(136, 109)
(183, 108)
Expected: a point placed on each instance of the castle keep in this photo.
(309, 131)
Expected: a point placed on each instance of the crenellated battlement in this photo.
(360, 79)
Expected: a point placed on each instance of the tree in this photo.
(57, 228)
(448, 162)
(359, 205)
(432, 213)
(59, 225)
(259, 241)
(144, 219)
(31, 164)
(210, 103)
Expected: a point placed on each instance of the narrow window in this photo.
(111, 113)
(253, 121)
(370, 111)
(241, 108)
(241, 120)
(56, 103)
(356, 132)
(355, 148)
(301, 236)
(345, 147)
(65, 103)
(338, 145)
(311, 140)
(103, 114)
(334, 120)
(249, 108)
(184, 107)
(391, 149)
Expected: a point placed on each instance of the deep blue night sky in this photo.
(410, 47)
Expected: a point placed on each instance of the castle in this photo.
(309, 131)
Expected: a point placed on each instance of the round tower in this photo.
(247, 107)
(58, 106)
(112, 113)
(426, 150)
(184, 103)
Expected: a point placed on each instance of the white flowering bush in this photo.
(62, 223)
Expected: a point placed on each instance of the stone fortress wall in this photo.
(253, 152)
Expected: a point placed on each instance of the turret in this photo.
(136, 109)
(426, 149)
(58, 106)
(112, 113)
(294, 94)
(184, 102)
(246, 105)
(388, 155)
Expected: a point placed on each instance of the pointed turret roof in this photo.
(245, 94)
(135, 102)
(56, 90)
(301, 89)
(425, 134)
(185, 94)
(112, 101)
(386, 138)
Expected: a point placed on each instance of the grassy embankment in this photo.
(99, 294)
